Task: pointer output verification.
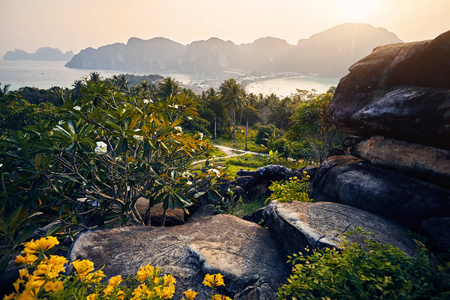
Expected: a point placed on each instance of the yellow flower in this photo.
(139, 291)
(190, 294)
(165, 292)
(92, 296)
(169, 279)
(96, 276)
(120, 295)
(53, 286)
(9, 297)
(27, 295)
(220, 297)
(28, 259)
(213, 280)
(83, 267)
(113, 282)
(34, 282)
(147, 272)
(41, 245)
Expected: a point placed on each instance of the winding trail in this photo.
(230, 152)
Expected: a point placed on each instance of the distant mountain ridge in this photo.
(327, 54)
(44, 53)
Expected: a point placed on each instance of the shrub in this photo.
(263, 133)
(108, 149)
(371, 271)
(294, 189)
(43, 278)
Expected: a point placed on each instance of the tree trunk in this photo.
(246, 130)
(215, 129)
(231, 122)
(234, 125)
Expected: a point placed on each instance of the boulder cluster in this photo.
(394, 176)
(395, 104)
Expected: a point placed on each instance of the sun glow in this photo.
(357, 10)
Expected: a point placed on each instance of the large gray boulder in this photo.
(358, 183)
(400, 91)
(297, 225)
(243, 252)
(410, 159)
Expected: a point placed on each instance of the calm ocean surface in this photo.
(286, 86)
(46, 74)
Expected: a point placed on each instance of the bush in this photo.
(294, 189)
(263, 133)
(371, 271)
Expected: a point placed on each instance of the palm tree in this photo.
(4, 90)
(76, 92)
(122, 83)
(168, 88)
(231, 93)
(94, 76)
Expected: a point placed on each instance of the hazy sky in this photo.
(78, 24)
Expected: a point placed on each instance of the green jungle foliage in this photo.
(370, 271)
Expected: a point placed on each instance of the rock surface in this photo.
(438, 229)
(356, 182)
(297, 225)
(414, 160)
(396, 92)
(241, 251)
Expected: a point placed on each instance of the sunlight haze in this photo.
(78, 24)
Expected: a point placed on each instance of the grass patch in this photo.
(244, 208)
(247, 162)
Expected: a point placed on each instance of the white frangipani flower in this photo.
(179, 129)
(101, 148)
(189, 118)
(138, 137)
(200, 134)
(77, 108)
(215, 172)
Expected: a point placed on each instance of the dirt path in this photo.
(229, 152)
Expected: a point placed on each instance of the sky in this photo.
(78, 24)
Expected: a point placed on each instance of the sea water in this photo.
(42, 74)
(47, 74)
(283, 87)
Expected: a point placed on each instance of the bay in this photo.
(283, 87)
(47, 74)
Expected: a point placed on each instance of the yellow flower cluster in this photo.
(213, 280)
(43, 276)
(41, 245)
(46, 272)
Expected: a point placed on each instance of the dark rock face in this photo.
(241, 251)
(438, 228)
(413, 160)
(395, 92)
(356, 182)
(297, 225)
